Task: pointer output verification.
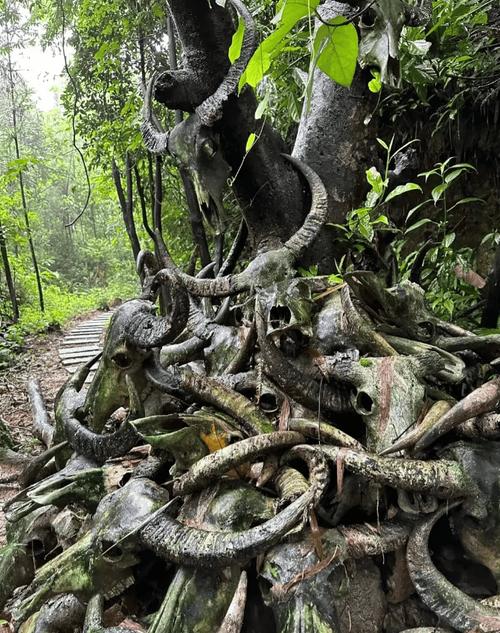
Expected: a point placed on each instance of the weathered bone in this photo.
(211, 391)
(216, 464)
(303, 585)
(100, 558)
(58, 615)
(145, 330)
(452, 605)
(95, 446)
(233, 620)
(273, 265)
(435, 413)
(120, 358)
(453, 371)
(442, 478)
(389, 392)
(307, 392)
(17, 564)
(322, 432)
(209, 112)
(486, 426)
(191, 546)
(482, 400)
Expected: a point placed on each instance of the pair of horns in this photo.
(210, 110)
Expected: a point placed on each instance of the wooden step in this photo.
(67, 351)
(81, 339)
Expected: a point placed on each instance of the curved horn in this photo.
(367, 540)
(235, 251)
(289, 484)
(318, 468)
(435, 413)
(210, 111)
(147, 330)
(442, 478)
(482, 400)
(101, 447)
(212, 466)
(201, 548)
(146, 260)
(233, 620)
(277, 262)
(318, 212)
(485, 426)
(450, 603)
(323, 432)
(154, 136)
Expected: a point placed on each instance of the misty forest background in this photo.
(80, 195)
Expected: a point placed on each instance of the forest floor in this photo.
(39, 359)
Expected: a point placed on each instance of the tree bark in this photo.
(126, 202)
(335, 141)
(8, 275)
(268, 189)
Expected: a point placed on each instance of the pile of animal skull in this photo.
(270, 455)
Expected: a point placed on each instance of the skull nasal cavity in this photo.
(364, 403)
(280, 315)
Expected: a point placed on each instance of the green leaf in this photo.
(383, 144)
(290, 12)
(438, 191)
(335, 50)
(467, 201)
(375, 180)
(414, 209)
(293, 10)
(419, 48)
(236, 42)
(260, 62)
(262, 107)
(250, 141)
(335, 279)
(401, 189)
(448, 239)
(418, 224)
(375, 84)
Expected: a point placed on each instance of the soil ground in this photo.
(40, 359)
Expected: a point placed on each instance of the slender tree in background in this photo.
(11, 83)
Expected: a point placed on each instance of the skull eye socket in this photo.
(122, 360)
(208, 147)
(111, 552)
(368, 18)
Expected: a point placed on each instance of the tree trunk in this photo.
(335, 141)
(24, 203)
(126, 201)
(8, 275)
(268, 189)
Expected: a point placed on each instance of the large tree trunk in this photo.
(336, 140)
(266, 186)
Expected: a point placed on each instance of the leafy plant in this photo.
(362, 224)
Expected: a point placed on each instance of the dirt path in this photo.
(40, 360)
